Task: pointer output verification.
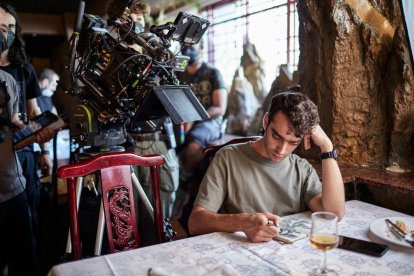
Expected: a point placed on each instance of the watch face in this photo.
(335, 154)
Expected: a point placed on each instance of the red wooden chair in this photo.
(117, 196)
(210, 151)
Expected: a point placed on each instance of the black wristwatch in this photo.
(331, 154)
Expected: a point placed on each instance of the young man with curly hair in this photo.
(247, 185)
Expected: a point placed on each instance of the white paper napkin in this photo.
(222, 270)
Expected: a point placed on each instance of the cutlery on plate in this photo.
(397, 231)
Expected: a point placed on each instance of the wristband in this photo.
(45, 152)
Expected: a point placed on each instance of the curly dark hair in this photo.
(300, 110)
(139, 6)
(17, 52)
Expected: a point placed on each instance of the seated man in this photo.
(247, 185)
(208, 86)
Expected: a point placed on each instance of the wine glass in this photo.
(324, 236)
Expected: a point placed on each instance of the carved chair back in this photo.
(117, 197)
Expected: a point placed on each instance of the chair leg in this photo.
(79, 182)
(100, 230)
(158, 217)
(142, 195)
(74, 226)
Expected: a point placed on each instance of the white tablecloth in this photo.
(233, 254)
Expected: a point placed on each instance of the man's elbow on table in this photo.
(196, 221)
(338, 208)
(340, 212)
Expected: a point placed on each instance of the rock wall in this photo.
(355, 65)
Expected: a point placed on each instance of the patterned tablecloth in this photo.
(233, 254)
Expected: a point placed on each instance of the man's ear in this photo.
(266, 120)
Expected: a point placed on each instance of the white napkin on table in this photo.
(222, 270)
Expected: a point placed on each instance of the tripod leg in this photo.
(79, 182)
(142, 195)
(99, 231)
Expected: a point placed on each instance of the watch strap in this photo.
(331, 154)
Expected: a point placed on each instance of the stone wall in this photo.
(355, 65)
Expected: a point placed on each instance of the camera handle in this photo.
(159, 51)
(160, 32)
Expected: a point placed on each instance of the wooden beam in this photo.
(42, 24)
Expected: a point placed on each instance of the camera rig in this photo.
(118, 85)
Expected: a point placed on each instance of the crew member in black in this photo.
(14, 61)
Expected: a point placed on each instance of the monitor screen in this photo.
(175, 101)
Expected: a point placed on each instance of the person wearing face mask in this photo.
(17, 251)
(139, 10)
(208, 86)
(13, 60)
(152, 137)
(210, 89)
(48, 83)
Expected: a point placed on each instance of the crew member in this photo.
(155, 136)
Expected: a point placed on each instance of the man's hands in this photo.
(44, 135)
(320, 139)
(332, 198)
(257, 227)
(259, 230)
(46, 164)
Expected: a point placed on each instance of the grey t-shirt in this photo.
(241, 181)
(12, 182)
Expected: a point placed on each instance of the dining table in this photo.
(222, 253)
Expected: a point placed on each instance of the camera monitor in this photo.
(189, 28)
(407, 12)
(176, 101)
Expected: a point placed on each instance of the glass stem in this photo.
(324, 268)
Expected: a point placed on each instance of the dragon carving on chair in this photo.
(121, 221)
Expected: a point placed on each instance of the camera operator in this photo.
(155, 136)
(14, 61)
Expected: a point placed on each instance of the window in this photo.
(271, 25)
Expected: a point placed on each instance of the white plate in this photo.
(380, 229)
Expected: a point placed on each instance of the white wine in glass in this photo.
(324, 236)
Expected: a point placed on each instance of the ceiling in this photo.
(45, 6)
(37, 41)
(61, 6)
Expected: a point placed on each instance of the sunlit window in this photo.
(271, 25)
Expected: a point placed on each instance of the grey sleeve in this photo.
(213, 188)
(11, 86)
(312, 185)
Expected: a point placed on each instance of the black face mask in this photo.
(6, 44)
(193, 53)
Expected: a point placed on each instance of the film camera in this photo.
(118, 85)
